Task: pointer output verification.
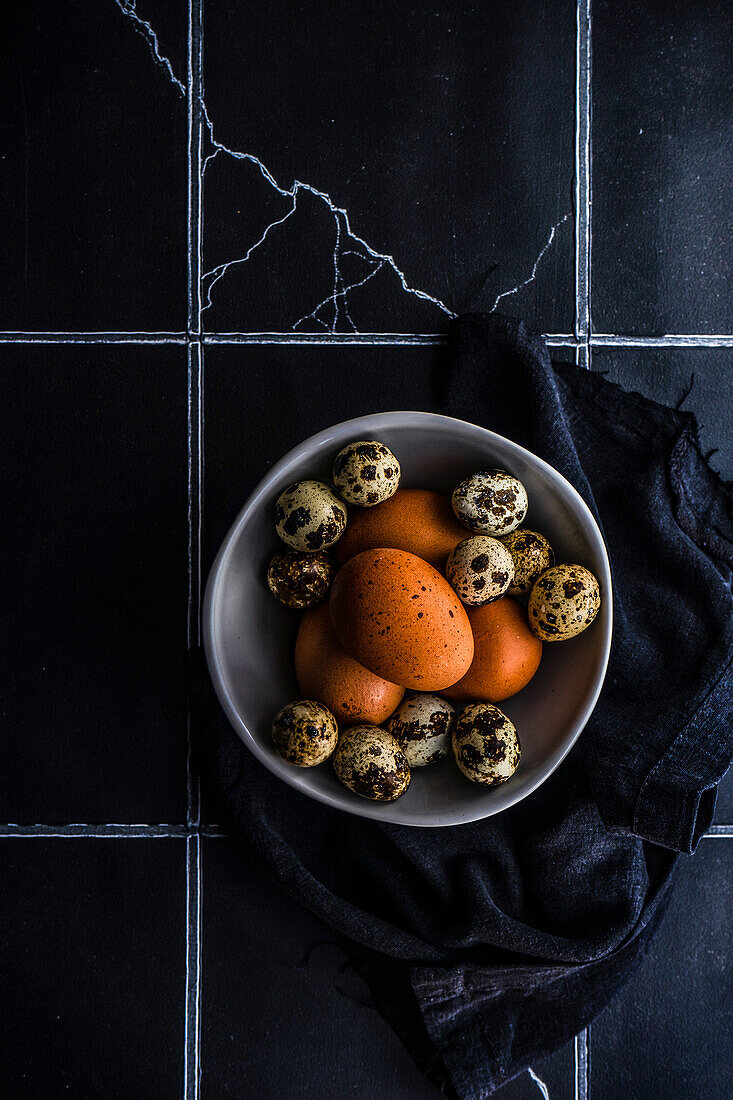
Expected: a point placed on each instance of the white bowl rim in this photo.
(364, 808)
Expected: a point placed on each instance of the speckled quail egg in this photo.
(422, 725)
(531, 554)
(304, 733)
(564, 601)
(310, 516)
(485, 745)
(366, 473)
(491, 502)
(480, 569)
(370, 762)
(300, 580)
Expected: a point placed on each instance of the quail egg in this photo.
(491, 502)
(310, 516)
(300, 580)
(370, 762)
(531, 554)
(304, 733)
(422, 725)
(564, 601)
(480, 569)
(485, 745)
(366, 473)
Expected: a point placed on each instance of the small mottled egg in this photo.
(304, 733)
(491, 502)
(564, 601)
(422, 725)
(300, 580)
(531, 554)
(309, 516)
(480, 569)
(370, 762)
(366, 473)
(485, 745)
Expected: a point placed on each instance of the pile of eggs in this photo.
(397, 597)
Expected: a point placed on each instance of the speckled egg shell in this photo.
(369, 761)
(300, 580)
(491, 502)
(309, 516)
(485, 745)
(418, 521)
(563, 602)
(304, 733)
(325, 671)
(480, 569)
(400, 618)
(366, 473)
(531, 554)
(422, 725)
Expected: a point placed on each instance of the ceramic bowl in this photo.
(249, 636)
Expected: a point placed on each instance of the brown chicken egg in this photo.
(418, 521)
(506, 653)
(401, 619)
(326, 672)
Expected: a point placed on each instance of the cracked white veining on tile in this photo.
(535, 267)
(334, 308)
(539, 1082)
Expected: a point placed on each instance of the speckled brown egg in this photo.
(369, 761)
(366, 473)
(309, 516)
(304, 733)
(480, 569)
(300, 580)
(563, 602)
(491, 502)
(531, 554)
(485, 745)
(422, 725)
(326, 672)
(400, 618)
(416, 520)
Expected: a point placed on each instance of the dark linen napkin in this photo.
(488, 945)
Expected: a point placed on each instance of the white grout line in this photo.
(93, 338)
(718, 831)
(388, 339)
(192, 1009)
(670, 340)
(192, 1022)
(582, 170)
(582, 319)
(118, 831)
(123, 830)
(582, 1065)
(99, 831)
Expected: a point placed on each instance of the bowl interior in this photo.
(249, 636)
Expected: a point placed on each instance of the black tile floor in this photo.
(190, 193)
